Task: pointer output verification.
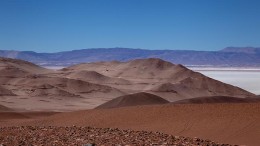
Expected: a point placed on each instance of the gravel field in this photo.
(50, 136)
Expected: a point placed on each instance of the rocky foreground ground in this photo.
(45, 136)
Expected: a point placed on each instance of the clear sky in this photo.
(58, 25)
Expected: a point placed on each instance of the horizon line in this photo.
(129, 48)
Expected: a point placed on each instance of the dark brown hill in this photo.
(136, 99)
(4, 109)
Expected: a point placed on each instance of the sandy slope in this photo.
(15, 67)
(95, 77)
(226, 123)
(8, 115)
(217, 99)
(5, 92)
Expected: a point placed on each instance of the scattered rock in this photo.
(88, 136)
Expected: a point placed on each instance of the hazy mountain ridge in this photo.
(251, 50)
(230, 56)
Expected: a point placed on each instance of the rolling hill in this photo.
(26, 86)
(159, 77)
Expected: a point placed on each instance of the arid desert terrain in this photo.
(138, 102)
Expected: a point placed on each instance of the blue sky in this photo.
(58, 25)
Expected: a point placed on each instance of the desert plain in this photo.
(138, 102)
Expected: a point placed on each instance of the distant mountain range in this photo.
(230, 56)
